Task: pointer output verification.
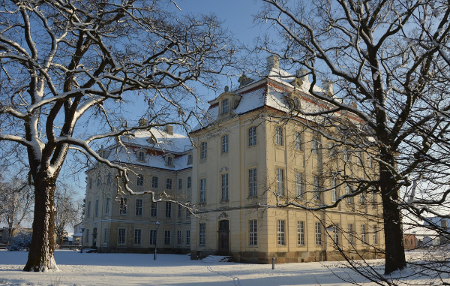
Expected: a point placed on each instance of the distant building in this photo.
(409, 241)
(160, 161)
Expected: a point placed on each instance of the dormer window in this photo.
(189, 160)
(141, 156)
(169, 160)
(225, 106)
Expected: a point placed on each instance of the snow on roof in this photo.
(176, 144)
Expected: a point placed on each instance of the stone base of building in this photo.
(143, 250)
(300, 256)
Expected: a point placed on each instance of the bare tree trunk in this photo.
(41, 255)
(394, 248)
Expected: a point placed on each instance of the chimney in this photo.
(142, 122)
(303, 75)
(169, 129)
(273, 62)
(328, 86)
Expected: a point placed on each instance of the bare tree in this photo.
(16, 200)
(68, 210)
(388, 61)
(69, 67)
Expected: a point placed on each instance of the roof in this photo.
(155, 151)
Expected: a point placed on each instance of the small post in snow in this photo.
(273, 262)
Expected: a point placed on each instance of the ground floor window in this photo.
(318, 233)
(178, 237)
(153, 236)
(188, 237)
(137, 236)
(202, 234)
(253, 231)
(281, 234)
(167, 237)
(301, 233)
(121, 238)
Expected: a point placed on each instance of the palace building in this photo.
(247, 158)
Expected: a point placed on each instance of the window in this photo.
(224, 187)
(332, 151)
(315, 145)
(169, 161)
(375, 235)
(137, 236)
(167, 237)
(252, 136)
(141, 156)
(89, 209)
(203, 191)
(154, 210)
(123, 206)
(348, 190)
(317, 190)
(189, 182)
(202, 234)
(296, 104)
(363, 234)
(299, 184)
(153, 236)
(107, 206)
(252, 184)
(280, 182)
(154, 182)
(203, 149)
(279, 135)
(318, 234)
(298, 141)
(140, 180)
(96, 208)
(178, 237)
(188, 237)
(333, 190)
(139, 204)
(121, 238)
(90, 183)
(169, 184)
(225, 106)
(168, 209)
(180, 184)
(373, 198)
(301, 233)
(253, 232)
(336, 234)
(225, 144)
(281, 235)
(87, 236)
(360, 158)
(362, 199)
(350, 234)
(105, 236)
(180, 210)
(189, 160)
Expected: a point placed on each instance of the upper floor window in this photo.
(154, 182)
(140, 180)
(168, 209)
(280, 182)
(169, 184)
(169, 161)
(225, 187)
(202, 190)
(299, 184)
(123, 206)
(317, 189)
(252, 136)
(333, 190)
(180, 184)
(252, 183)
(315, 145)
(225, 106)
(298, 141)
(203, 149)
(139, 207)
(225, 144)
(279, 135)
(189, 160)
(189, 182)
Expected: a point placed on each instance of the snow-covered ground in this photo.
(140, 269)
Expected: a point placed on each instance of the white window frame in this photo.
(123, 206)
(168, 209)
(281, 232)
(299, 185)
(318, 237)
(152, 238)
(334, 194)
(202, 234)
(300, 233)
(139, 207)
(137, 236)
(122, 236)
(252, 182)
(279, 135)
(154, 210)
(203, 190)
(225, 187)
(140, 180)
(224, 144)
(297, 141)
(225, 106)
(252, 136)
(280, 181)
(253, 232)
(203, 150)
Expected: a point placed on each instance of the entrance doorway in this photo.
(224, 237)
